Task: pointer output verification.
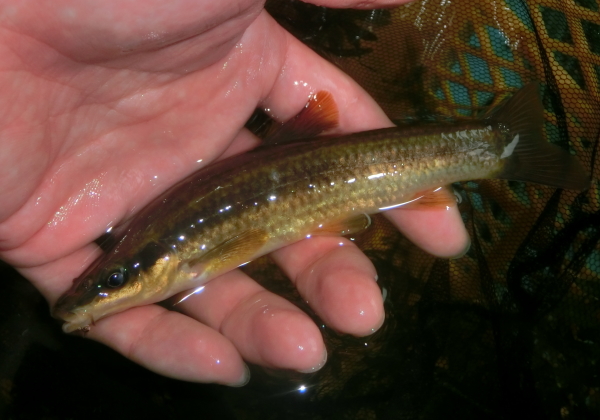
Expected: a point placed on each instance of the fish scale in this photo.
(248, 205)
(289, 208)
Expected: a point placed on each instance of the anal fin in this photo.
(342, 227)
(439, 198)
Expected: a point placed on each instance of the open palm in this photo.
(106, 104)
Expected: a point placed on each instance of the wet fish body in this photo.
(246, 206)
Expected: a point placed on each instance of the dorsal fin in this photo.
(319, 114)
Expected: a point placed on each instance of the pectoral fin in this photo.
(229, 254)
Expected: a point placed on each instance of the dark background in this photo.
(511, 330)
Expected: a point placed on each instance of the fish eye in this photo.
(116, 279)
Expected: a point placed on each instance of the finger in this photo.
(53, 278)
(305, 72)
(173, 345)
(243, 142)
(265, 328)
(439, 232)
(337, 280)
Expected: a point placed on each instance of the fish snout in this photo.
(69, 305)
(63, 308)
(74, 319)
(60, 312)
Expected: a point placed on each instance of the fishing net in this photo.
(512, 329)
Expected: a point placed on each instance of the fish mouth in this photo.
(73, 321)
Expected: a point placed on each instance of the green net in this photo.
(511, 330)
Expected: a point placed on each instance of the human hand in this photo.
(105, 105)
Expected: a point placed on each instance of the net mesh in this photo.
(511, 330)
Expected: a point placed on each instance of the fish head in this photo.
(114, 283)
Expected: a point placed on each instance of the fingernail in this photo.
(244, 379)
(318, 366)
(464, 252)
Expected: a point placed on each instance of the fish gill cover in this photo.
(511, 330)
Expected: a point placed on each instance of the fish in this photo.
(298, 186)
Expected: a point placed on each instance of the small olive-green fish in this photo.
(246, 206)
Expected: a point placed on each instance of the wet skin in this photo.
(106, 105)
